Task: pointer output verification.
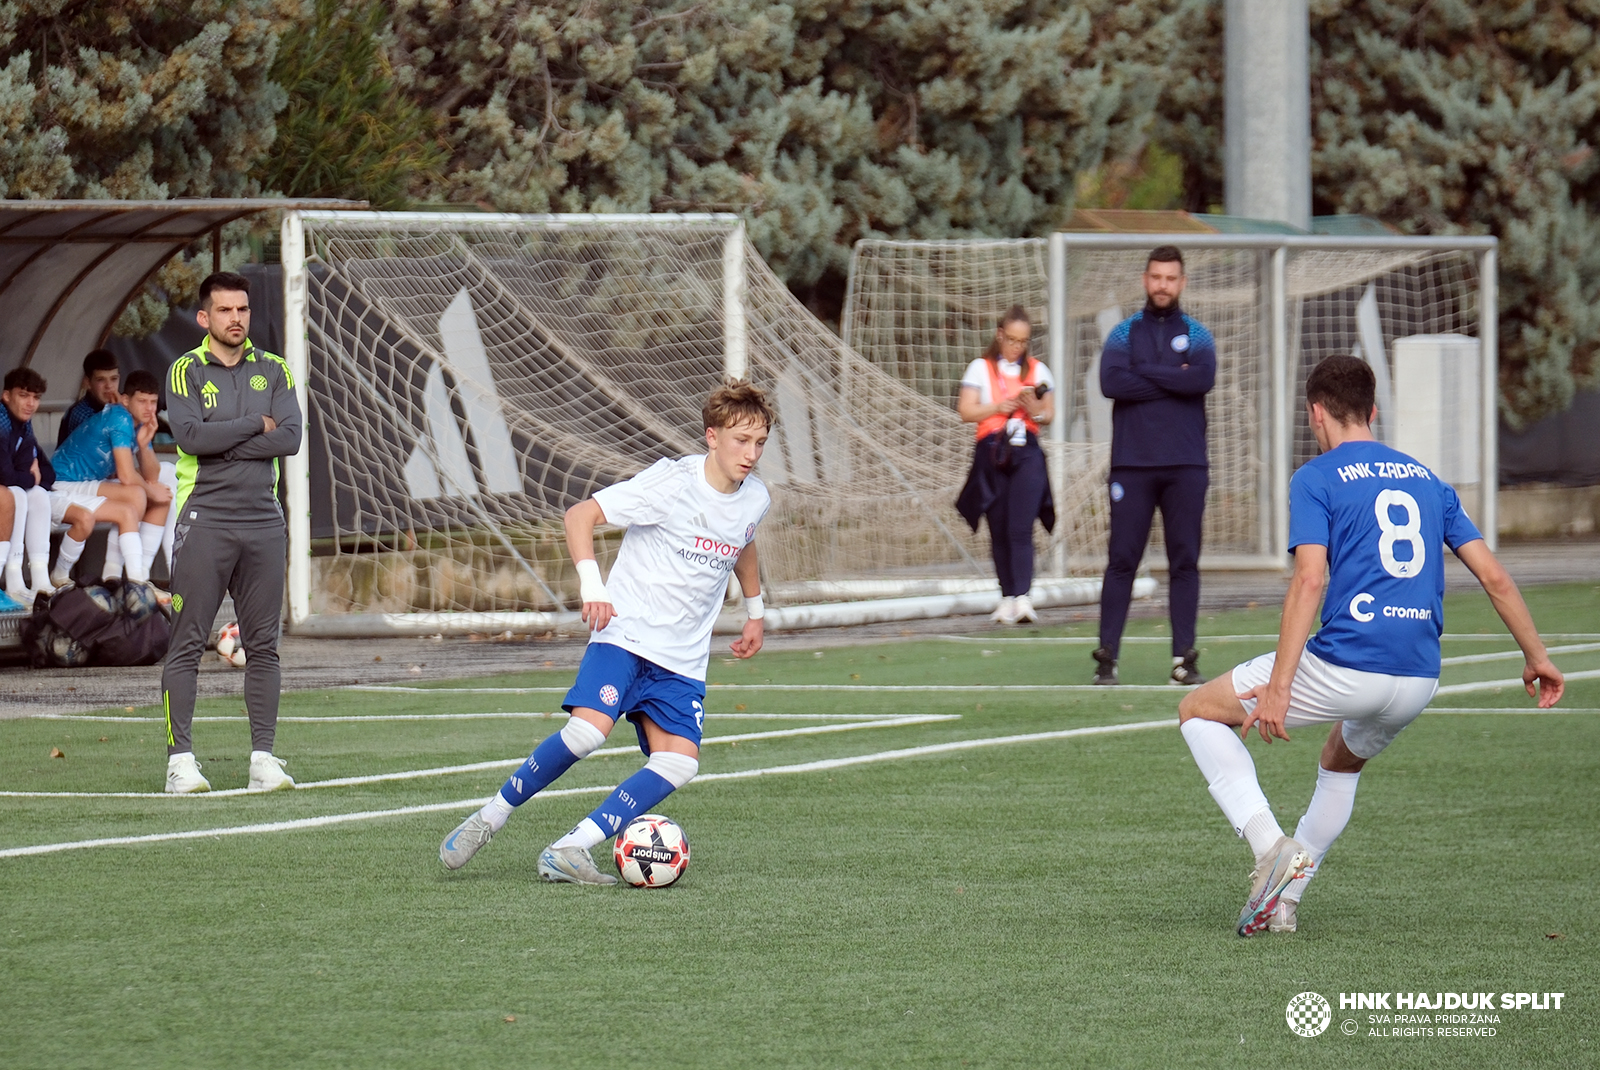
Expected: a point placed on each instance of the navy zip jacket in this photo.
(1158, 412)
(18, 448)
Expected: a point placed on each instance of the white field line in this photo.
(897, 721)
(1509, 655)
(746, 774)
(1088, 640)
(441, 717)
(1495, 685)
(822, 687)
(1513, 711)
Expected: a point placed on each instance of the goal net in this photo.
(1276, 305)
(469, 377)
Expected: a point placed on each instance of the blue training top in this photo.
(1383, 518)
(1158, 415)
(86, 454)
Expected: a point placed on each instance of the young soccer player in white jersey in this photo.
(1368, 523)
(690, 522)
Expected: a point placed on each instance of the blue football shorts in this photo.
(619, 682)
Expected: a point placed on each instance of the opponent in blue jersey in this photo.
(1368, 523)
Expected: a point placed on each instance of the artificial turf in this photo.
(1060, 902)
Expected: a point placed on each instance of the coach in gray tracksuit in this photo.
(233, 411)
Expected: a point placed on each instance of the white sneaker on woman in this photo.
(1025, 613)
(1005, 612)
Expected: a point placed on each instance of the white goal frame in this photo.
(296, 354)
(1281, 383)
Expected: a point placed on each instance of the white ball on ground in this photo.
(652, 852)
(229, 648)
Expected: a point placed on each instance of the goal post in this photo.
(466, 377)
(1421, 310)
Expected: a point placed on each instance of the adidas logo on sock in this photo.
(613, 820)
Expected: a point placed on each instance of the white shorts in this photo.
(85, 495)
(1373, 706)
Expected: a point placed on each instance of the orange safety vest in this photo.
(1001, 388)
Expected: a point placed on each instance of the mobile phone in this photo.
(1041, 390)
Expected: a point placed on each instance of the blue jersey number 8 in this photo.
(1410, 532)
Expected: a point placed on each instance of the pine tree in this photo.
(1461, 117)
(346, 131)
(822, 121)
(138, 99)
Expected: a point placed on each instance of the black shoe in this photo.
(1105, 668)
(1184, 674)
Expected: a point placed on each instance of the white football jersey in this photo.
(672, 572)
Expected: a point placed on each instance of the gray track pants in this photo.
(247, 563)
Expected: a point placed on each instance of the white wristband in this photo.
(753, 607)
(591, 588)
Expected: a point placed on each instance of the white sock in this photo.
(676, 769)
(496, 811)
(71, 550)
(5, 555)
(112, 569)
(19, 523)
(169, 529)
(587, 834)
(1262, 830)
(37, 534)
(40, 567)
(1229, 771)
(1325, 818)
(581, 737)
(133, 556)
(149, 543)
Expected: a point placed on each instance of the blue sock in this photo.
(547, 762)
(637, 795)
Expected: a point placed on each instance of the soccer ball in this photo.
(139, 600)
(229, 649)
(651, 852)
(67, 651)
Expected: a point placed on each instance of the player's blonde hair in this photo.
(737, 402)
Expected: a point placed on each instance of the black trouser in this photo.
(1136, 494)
(248, 563)
(1018, 478)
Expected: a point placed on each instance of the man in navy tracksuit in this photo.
(1157, 367)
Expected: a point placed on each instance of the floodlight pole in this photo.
(297, 468)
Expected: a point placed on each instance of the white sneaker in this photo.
(266, 772)
(41, 577)
(14, 585)
(183, 775)
(1025, 613)
(1005, 612)
(60, 579)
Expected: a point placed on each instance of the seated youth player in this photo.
(115, 442)
(26, 473)
(1367, 522)
(690, 521)
(101, 378)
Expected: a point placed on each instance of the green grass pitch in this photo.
(1064, 901)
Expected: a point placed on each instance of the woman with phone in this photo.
(1007, 394)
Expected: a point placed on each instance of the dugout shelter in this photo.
(69, 268)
